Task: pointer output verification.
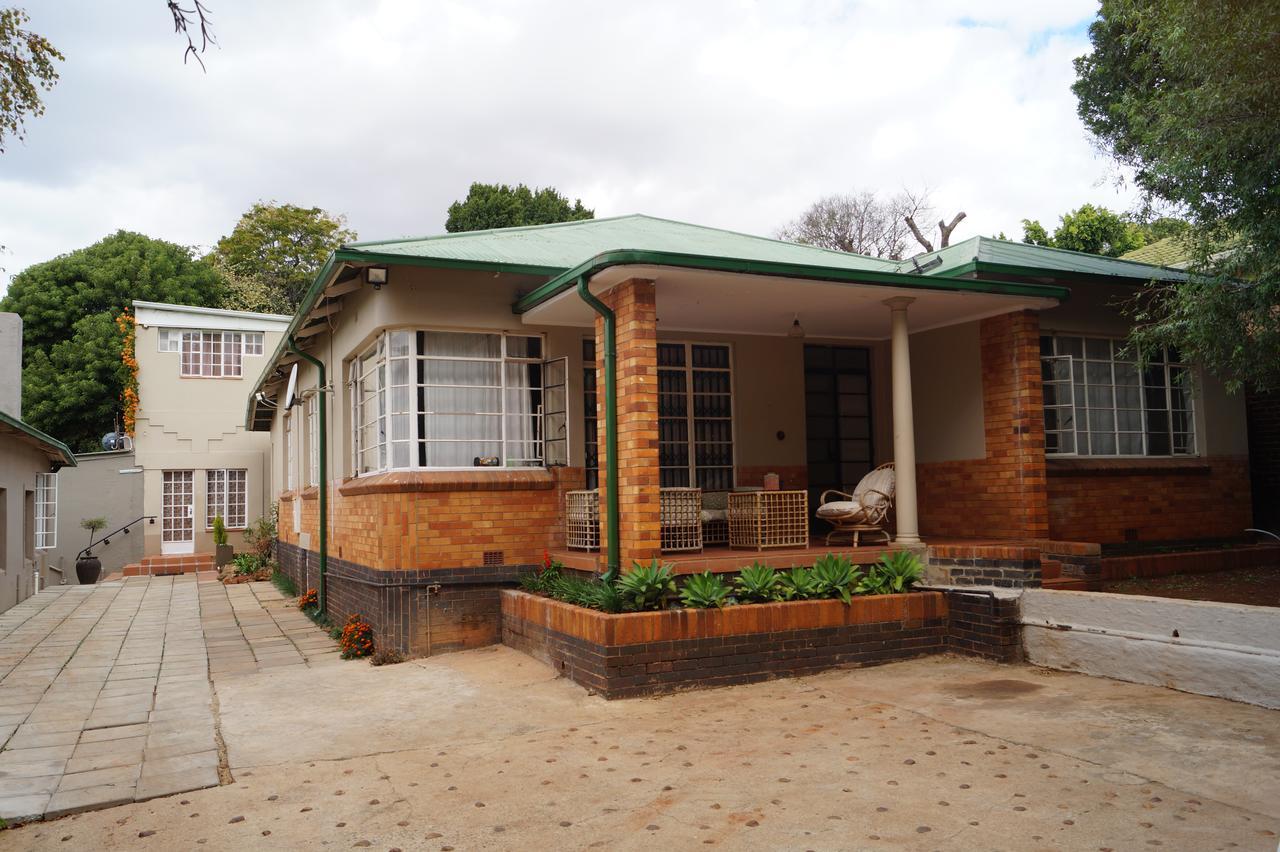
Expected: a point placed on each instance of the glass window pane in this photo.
(520, 346)
(455, 344)
(486, 373)
(1097, 348)
(1073, 346)
(1130, 445)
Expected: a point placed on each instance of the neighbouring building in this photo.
(105, 485)
(197, 460)
(29, 465)
(465, 387)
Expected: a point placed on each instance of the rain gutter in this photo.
(323, 449)
(610, 427)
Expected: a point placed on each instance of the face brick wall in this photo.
(1003, 494)
(1117, 500)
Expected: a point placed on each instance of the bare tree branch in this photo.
(944, 230)
(184, 20)
(920, 238)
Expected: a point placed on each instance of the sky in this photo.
(728, 113)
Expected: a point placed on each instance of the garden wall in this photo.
(632, 654)
(1225, 650)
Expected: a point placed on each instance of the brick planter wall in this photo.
(1009, 567)
(1190, 562)
(634, 654)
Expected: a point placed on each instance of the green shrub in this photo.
(834, 577)
(757, 584)
(704, 591)
(543, 581)
(646, 587)
(797, 584)
(261, 534)
(901, 569)
(247, 563)
(606, 597)
(284, 583)
(219, 531)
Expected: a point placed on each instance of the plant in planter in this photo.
(705, 591)
(834, 577)
(899, 570)
(647, 587)
(88, 566)
(797, 584)
(758, 584)
(223, 552)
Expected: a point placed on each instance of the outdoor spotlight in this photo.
(921, 268)
(376, 275)
(796, 330)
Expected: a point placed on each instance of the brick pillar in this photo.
(635, 308)
(1013, 404)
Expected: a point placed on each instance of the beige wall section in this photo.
(946, 385)
(97, 487)
(19, 464)
(197, 424)
(1098, 309)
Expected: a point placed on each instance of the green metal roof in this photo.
(1170, 251)
(977, 255)
(555, 248)
(58, 452)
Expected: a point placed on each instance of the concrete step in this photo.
(170, 563)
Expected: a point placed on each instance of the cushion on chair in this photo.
(715, 515)
(840, 509)
(715, 500)
(880, 480)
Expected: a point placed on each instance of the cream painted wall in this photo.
(196, 424)
(19, 464)
(1098, 309)
(946, 394)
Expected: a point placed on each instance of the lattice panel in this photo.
(765, 519)
(681, 519)
(582, 520)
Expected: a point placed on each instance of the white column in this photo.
(904, 432)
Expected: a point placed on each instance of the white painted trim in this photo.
(148, 314)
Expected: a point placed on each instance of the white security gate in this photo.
(178, 513)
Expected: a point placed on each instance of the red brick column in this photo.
(635, 309)
(1013, 404)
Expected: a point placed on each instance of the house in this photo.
(107, 485)
(29, 465)
(451, 393)
(196, 459)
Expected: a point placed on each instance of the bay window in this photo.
(448, 399)
(1098, 401)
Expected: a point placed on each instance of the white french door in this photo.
(178, 513)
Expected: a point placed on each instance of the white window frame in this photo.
(313, 438)
(371, 407)
(290, 452)
(1080, 408)
(211, 355)
(690, 415)
(217, 496)
(46, 531)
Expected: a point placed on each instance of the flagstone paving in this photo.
(108, 692)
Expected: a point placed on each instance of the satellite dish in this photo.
(293, 387)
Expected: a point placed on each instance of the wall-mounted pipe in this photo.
(610, 426)
(323, 432)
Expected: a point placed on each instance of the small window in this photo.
(46, 511)
(253, 343)
(226, 494)
(313, 439)
(170, 340)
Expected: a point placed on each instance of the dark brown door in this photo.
(837, 385)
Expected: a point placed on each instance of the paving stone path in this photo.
(108, 692)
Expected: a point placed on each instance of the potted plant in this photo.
(223, 552)
(88, 566)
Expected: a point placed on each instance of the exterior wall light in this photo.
(376, 275)
(796, 330)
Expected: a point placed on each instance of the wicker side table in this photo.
(765, 519)
(680, 512)
(582, 520)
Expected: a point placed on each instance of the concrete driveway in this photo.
(488, 749)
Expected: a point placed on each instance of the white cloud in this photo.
(723, 112)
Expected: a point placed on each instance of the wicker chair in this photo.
(715, 517)
(865, 511)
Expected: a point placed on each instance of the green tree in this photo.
(1095, 230)
(272, 255)
(26, 67)
(489, 205)
(73, 376)
(1187, 94)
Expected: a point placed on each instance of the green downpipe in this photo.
(324, 469)
(610, 427)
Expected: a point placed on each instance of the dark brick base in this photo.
(659, 667)
(982, 625)
(416, 612)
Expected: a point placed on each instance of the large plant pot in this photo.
(88, 569)
(223, 554)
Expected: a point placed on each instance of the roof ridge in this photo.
(1080, 253)
(766, 239)
(455, 234)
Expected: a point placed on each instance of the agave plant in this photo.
(835, 577)
(570, 589)
(704, 591)
(797, 584)
(646, 587)
(605, 597)
(758, 583)
(900, 569)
